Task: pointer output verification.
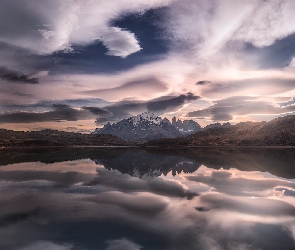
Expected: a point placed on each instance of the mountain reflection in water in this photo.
(135, 199)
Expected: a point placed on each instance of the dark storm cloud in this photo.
(82, 102)
(59, 112)
(104, 115)
(97, 110)
(224, 110)
(14, 218)
(125, 109)
(202, 209)
(47, 105)
(203, 82)
(169, 103)
(14, 76)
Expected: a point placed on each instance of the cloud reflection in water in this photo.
(81, 205)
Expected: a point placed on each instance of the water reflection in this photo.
(136, 199)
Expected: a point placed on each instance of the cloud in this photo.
(262, 207)
(203, 82)
(225, 109)
(209, 25)
(263, 86)
(142, 87)
(97, 111)
(120, 42)
(46, 245)
(170, 103)
(122, 244)
(204, 26)
(47, 105)
(14, 76)
(224, 181)
(125, 109)
(53, 178)
(260, 29)
(59, 112)
(44, 27)
(63, 111)
(14, 218)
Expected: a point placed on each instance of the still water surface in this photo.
(119, 199)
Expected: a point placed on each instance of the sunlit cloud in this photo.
(226, 109)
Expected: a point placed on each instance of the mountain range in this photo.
(150, 130)
(148, 126)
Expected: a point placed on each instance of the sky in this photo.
(75, 65)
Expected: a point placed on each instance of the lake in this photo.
(131, 199)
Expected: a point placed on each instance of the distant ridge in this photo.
(278, 132)
(148, 126)
(217, 125)
(55, 138)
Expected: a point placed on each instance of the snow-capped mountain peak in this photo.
(148, 116)
(148, 126)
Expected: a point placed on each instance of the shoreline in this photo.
(143, 147)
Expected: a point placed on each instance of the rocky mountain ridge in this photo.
(148, 126)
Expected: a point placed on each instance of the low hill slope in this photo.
(9, 138)
(278, 132)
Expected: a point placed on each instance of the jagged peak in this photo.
(166, 120)
(148, 125)
(148, 116)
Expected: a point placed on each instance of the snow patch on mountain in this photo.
(148, 116)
